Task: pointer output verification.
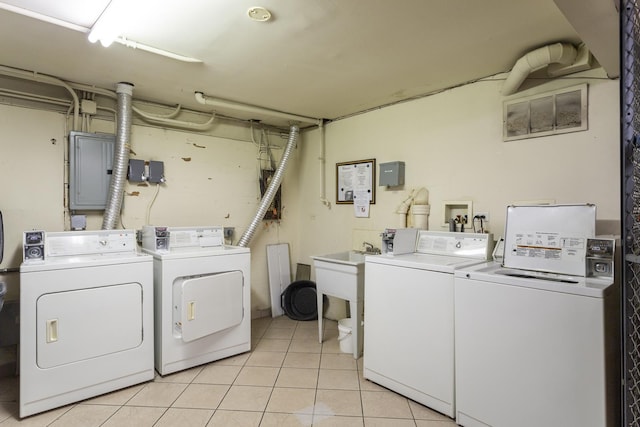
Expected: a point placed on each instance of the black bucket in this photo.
(300, 300)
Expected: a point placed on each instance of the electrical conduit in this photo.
(43, 78)
(121, 150)
(177, 123)
(223, 103)
(272, 189)
(323, 161)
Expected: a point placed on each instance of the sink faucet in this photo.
(369, 248)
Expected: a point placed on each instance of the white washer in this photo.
(202, 296)
(534, 349)
(537, 339)
(408, 326)
(86, 317)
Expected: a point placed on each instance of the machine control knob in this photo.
(34, 252)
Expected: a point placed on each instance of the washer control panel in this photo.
(468, 245)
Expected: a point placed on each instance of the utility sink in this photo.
(341, 275)
(346, 257)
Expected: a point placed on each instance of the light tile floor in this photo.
(288, 379)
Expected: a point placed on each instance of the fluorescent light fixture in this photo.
(106, 29)
(108, 26)
(105, 37)
(135, 45)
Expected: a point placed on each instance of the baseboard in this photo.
(256, 314)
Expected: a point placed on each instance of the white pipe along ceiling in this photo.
(564, 54)
(223, 103)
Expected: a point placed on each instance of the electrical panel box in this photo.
(391, 174)
(90, 169)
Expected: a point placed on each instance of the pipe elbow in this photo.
(200, 98)
(516, 77)
(563, 53)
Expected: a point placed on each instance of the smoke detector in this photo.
(259, 13)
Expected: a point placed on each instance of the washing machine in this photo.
(202, 296)
(86, 317)
(409, 315)
(537, 336)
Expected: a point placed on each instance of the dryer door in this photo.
(205, 305)
(88, 323)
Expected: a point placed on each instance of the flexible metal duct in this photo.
(121, 150)
(272, 189)
(562, 53)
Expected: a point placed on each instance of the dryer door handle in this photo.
(191, 310)
(52, 330)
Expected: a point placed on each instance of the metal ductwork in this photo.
(121, 151)
(272, 189)
(563, 58)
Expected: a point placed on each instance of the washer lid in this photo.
(551, 238)
(493, 272)
(437, 263)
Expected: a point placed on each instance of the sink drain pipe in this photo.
(272, 189)
(121, 151)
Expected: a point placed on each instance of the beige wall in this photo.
(451, 143)
(211, 180)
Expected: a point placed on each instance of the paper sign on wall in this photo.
(361, 203)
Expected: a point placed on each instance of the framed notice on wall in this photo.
(356, 180)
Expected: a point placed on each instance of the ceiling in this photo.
(316, 58)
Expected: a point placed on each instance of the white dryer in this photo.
(408, 319)
(202, 296)
(86, 316)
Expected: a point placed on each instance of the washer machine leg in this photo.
(357, 330)
(320, 312)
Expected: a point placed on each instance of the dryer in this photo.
(86, 316)
(202, 296)
(409, 314)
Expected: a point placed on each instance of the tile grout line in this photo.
(335, 365)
